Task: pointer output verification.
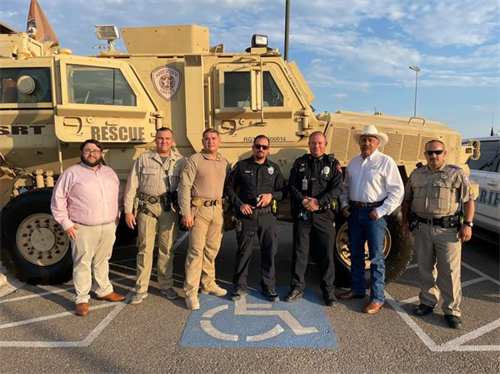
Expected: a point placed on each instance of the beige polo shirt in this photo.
(202, 177)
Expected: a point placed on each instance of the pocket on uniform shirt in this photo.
(149, 176)
(419, 193)
(442, 191)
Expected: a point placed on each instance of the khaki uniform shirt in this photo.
(152, 176)
(202, 177)
(437, 194)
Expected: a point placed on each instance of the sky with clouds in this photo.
(355, 54)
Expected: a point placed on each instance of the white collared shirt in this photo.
(373, 179)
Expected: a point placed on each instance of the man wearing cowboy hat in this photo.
(372, 190)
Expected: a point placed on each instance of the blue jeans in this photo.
(362, 229)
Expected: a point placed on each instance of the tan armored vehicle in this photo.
(50, 101)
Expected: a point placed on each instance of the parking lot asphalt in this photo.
(40, 334)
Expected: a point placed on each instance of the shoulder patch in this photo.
(338, 167)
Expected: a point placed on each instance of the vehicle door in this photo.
(252, 99)
(486, 172)
(103, 99)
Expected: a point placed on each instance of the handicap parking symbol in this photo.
(252, 321)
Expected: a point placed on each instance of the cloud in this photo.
(340, 96)
(450, 22)
(7, 14)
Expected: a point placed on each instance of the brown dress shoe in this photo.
(113, 297)
(82, 309)
(349, 295)
(373, 307)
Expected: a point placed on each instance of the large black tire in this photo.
(34, 247)
(398, 251)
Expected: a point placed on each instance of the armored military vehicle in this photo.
(51, 100)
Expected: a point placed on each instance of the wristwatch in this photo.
(470, 224)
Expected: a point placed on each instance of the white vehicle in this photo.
(486, 172)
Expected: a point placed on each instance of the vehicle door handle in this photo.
(492, 183)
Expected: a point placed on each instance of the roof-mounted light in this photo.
(107, 32)
(259, 41)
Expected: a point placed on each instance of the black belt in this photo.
(440, 221)
(257, 212)
(359, 204)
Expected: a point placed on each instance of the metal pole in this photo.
(287, 27)
(416, 69)
(416, 92)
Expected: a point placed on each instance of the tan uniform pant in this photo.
(439, 254)
(204, 244)
(91, 251)
(167, 228)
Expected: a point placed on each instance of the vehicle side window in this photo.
(98, 85)
(237, 87)
(26, 85)
(489, 159)
(272, 94)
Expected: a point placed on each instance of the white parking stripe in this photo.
(60, 290)
(473, 335)
(410, 322)
(480, 273)
(455, 345)
(46, 318)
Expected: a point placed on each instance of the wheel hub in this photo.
(343, 251)
(41, 240)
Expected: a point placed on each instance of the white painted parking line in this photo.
(458, 344)
(49, 317)
(89, 339)
(68, 344)
(61, 290)
(47, 293)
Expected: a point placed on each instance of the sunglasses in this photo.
(438, 152)
(261, 146)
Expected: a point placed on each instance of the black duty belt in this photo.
(443, 221)
(260, 211)
(257, 212)
(359, 204)
(148, 198)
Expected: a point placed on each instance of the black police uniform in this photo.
(246, 182)
(320, 178)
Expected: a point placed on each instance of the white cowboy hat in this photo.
(370, 130)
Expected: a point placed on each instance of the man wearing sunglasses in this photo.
(315, 185)
(437, 193)
(85, 203)
(253, 189)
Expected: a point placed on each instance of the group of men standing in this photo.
(164, 191)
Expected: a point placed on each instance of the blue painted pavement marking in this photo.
(255, 322)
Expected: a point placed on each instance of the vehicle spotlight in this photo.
(259, 41)
(107, 32)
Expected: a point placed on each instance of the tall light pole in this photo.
(416, 69)
(287, 27)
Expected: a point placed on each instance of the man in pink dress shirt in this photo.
(85, 204)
